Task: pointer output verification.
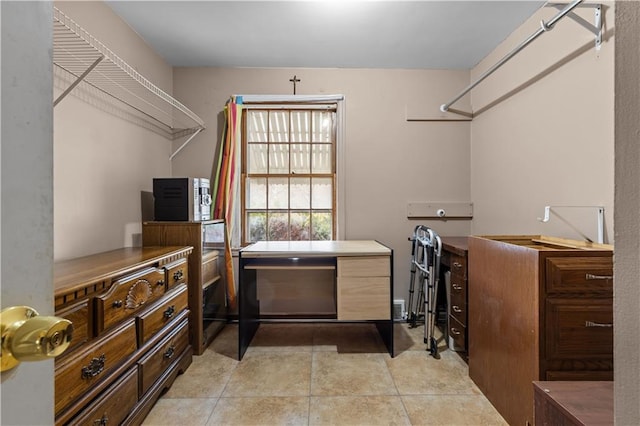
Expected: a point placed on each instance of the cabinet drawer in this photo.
(127, 296)
(76, 374)
(368, 266)
(585, 275)
(364, 298)
(458, 333)
(79, 316)
(162, 355)
(210, 271)
(579, 329)
(176, 273)
(115, 404)
(458, 308)
(161, 314)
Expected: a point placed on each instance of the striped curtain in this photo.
(226, 185)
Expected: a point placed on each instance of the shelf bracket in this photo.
(600, 218)
(596, 28)
(78, 80)
(185, 143)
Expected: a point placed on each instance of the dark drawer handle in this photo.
(178, 275)
(455, 331)
(102, 421)
(160, 282)
(117, 304)
(456, 287)
(169, 312)
(95, 367)
(168, 354)
(598, 277)
(456, 309)
(596, 324)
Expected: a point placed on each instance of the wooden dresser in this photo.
(129, 309)
(539, 309)
(454, 260)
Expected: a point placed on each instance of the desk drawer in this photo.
(458, 333)
(79, 316)
(127, 296)
(364, 298)
(75, 375)
(157, 317)
(114, 405)
(458, 308)
(458, 266)
(368, 266)
(583, 275)
(160, 357)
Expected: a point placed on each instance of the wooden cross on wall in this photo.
(294, 80)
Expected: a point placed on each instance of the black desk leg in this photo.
(248, 307)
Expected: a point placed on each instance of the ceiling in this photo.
(325, 34)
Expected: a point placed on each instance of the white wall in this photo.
(543, 131)
(627, 221)
(103, 158)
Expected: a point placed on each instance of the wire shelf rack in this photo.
(89, 62)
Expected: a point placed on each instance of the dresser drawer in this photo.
(458, 266)
(161, 356)
(210, 268)
(162, 313)
(584, 275)
(579, 329)
(177, 273)
(76, 374)
(113, 405)
(127, 296)
(364, 298)
(369, 266)
(78, 314)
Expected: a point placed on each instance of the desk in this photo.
(362, 277)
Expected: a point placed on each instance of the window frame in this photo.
(331, 107)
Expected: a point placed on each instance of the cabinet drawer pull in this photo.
(159, 283)
(455, 331)
(168, 354)
(103, 421)
(95, 367)
(169, 312)
(456, 287)
(178, 275)
(596, 324)
(457, 309)
(117, 304)
(598, 277)
(457, 265)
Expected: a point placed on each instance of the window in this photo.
(289, 170)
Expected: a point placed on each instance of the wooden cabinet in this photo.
(125, 312)
(207, 283)
(539, 309)
(573, 403)
(454, 261)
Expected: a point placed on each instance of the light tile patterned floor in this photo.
(324, 374)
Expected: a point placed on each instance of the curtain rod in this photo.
(544, 27)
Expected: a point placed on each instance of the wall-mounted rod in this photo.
(544, 27)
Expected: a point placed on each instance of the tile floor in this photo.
(324, 374)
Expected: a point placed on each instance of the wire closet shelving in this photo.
(86, 60)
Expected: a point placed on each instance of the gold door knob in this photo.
(27, 336)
